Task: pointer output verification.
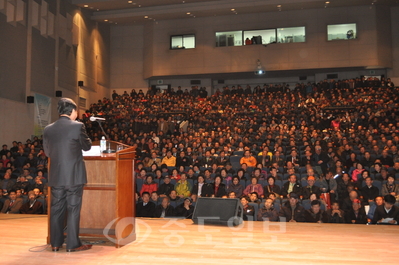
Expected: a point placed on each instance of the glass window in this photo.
(265, 36)
(182, 42)
(229, 38)
(288, 35)
(341, 32)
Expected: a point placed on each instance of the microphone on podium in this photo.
(92, 118)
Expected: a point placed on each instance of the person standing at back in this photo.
(63, 142)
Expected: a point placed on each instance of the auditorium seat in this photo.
(139, 184)
(256, 207)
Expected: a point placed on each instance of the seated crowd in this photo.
(23, 178)
(324, 152)
(333, 145)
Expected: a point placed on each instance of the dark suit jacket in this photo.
(360, 219)
(222, 161)
(185, 161)
(208, 162)
(181, 211)
(145, 211)
(221, 190)
(380, 213)
(14, 208)
(169, 211)
(67, 167)
(306, 192)
(206, 190)
(369, 193)
(165, 189)
(269, 189)
(280, 161)
(297, 189)
(37, 208)
(286, 211)
(296, 160)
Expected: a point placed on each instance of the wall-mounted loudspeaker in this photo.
(58, 94)
(80, 83)
(30, 99)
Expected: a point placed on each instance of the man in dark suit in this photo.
(63, 142)
(294, 158)
(13, 204)
(207, 160)
(222, 159)
(291, 186)
(146, 208)
(387, 213)
(369, 192)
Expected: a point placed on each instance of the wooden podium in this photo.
(108, 204)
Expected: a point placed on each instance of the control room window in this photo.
(264, 36)
(341, 32)
(229, 38)
(289, 35)
(182, 42)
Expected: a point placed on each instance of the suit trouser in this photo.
(65, 199)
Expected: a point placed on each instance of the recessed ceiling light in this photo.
(86, 5)
(279, 6)
(105, 20)
(327, 2)
(232, 10)
(130, 2)
(145, 16)
(188, 13)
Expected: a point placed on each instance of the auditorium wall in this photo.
(394, 71)
(372, 48)
(47, 47)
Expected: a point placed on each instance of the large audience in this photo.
(321, 152)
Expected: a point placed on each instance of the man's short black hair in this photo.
(315, 202)
(390, 199)
(65, 106)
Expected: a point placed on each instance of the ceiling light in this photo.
(188, 13)
(327, 3)
(86, 5)
(105, 20)
(130, 2)
(145, 16)
(232, 10)
(279, 6)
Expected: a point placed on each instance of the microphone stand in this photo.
(108, 150)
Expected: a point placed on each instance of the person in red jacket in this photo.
(149, 185)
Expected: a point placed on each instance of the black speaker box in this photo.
(58, 94)
(80, 83)
(30, 99)
(218, 211)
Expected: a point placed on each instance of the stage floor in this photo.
(182, 242)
